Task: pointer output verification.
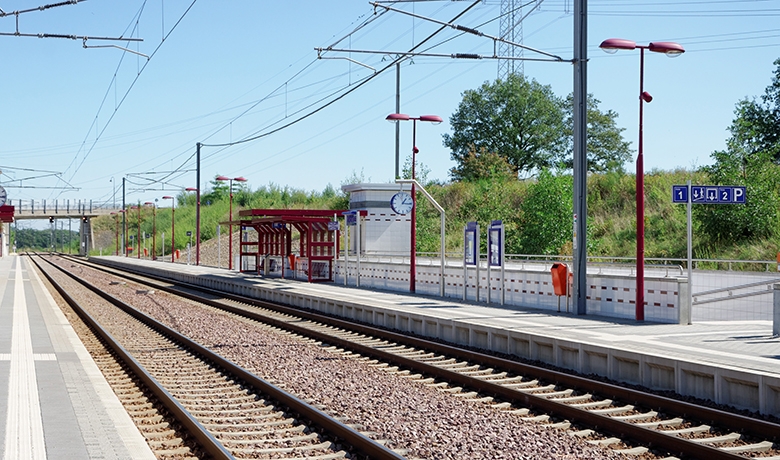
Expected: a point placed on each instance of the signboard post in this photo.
(470, 256)
(496, 253)
(350, 220)
(703, 194)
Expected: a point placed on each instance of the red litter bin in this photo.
(561, 279)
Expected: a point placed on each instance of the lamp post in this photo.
(197, 214)
(396, 117)
(230, 225)
(138, 238)
(114, 195)
(154, 227)
(671, 49)
(116, 226)
(173, 225)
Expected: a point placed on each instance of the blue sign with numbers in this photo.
(709, 194)
(679, 193)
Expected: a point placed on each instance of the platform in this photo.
(54, 402)
(730, 362)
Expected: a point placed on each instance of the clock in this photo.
(3, 196)
(401, 203)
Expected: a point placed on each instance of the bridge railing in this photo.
(61, 207)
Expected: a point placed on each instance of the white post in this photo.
(776, 311)
(358, 247)
(219, 248)
(503, 264)
(163, 245)
(477, 266)
(346, 250)
(690, 251)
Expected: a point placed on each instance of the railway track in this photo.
(227, 411)
(624, 415)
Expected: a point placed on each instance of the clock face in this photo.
(401, 203)
(3, 196)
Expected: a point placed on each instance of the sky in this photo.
(75, 121)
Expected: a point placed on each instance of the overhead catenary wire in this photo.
(132, 85)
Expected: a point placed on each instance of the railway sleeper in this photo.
(550, 387)
(594, 404)
(763, 446)
(635, 417)
(605, 442)
(614, 410)
(689, 430)
(260, 433)
(254, 426)
(662, 423)
(323, 446)
(275, 440)
(730, 437)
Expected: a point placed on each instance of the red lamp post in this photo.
(173, 225)
(138, 237)
(154, 228)
(230, 226)
(671, 49)
(395, 117)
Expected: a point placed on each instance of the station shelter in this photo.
(270, 253)
(6, 217)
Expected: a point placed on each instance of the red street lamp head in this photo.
(222, 178)
(149, 203)
(240, 179)
(612, 45)
(405, 117)
(167, 197)
(191, 189)
(646, 96)
(431, 118)
(671, 49)
(398, 117)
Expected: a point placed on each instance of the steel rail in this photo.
(619, 428)
(208, 442)
(335, 428)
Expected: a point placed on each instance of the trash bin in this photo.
(560, 274)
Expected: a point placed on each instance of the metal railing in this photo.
(55, 207)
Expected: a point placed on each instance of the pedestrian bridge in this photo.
(63, 209)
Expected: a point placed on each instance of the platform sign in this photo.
(470, 244)
(496, 243)
(679, 193)
(333, 225)
(277, 225)
(189, 233)
(709, 194)
(351, 219)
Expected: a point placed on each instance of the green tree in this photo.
(484, 165)
(756, 128)
(607, 150)
(520, 120)
(758, 217)
(545, 224)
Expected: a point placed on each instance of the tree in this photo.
(545, 216)
(756, 128)
(484, 165)
(758, 217)
(520, 120)
(607, 150)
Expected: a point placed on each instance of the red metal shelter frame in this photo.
(274, 230)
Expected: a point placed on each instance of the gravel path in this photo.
(429, 423)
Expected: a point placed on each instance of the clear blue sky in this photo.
(230, 70)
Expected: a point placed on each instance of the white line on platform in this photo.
(24, 425)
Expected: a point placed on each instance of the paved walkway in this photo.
(54, 402)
